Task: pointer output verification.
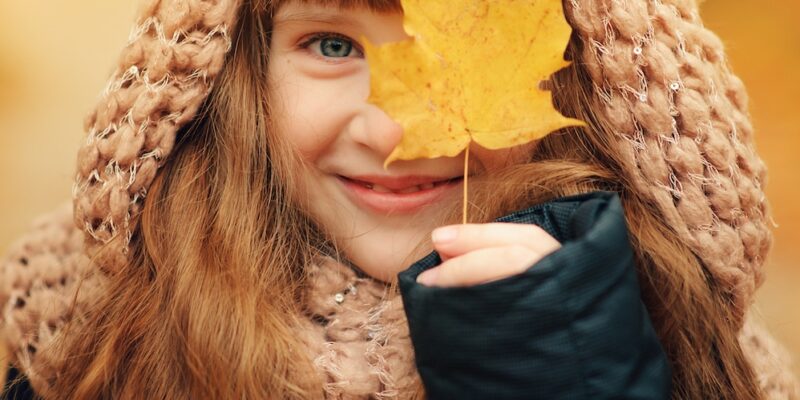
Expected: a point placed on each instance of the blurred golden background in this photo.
(56, 55)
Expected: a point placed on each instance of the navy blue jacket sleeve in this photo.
(573, 326)
(16, 386)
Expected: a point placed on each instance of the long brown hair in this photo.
(208, 304)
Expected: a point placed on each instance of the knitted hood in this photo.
(678, 113)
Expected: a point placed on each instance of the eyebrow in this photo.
(322, 17)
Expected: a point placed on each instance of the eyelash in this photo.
(306, 44)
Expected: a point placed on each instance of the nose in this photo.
(373, 128)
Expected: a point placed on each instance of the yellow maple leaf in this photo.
(470, 72)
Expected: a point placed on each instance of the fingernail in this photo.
(428, 278)
(444, 234)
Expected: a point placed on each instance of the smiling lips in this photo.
(397, 194)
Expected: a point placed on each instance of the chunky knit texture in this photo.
(676, 110)
(681, 116)
(165, 72)
(357, 335)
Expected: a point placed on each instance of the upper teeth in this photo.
(410, 189)
(378, 188)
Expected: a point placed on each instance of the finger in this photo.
(481, 266)
(455, 240)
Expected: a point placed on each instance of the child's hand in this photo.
(478, 253)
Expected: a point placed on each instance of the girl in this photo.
(235, 235)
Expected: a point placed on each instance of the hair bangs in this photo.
(374, 5)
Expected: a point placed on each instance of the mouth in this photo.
(376, 187)
(397, 195)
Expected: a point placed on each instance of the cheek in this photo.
(300, 114)
(496, 159)
(311, 113)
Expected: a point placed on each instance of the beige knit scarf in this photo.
(357, 335)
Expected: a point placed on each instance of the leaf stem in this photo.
(466, 179)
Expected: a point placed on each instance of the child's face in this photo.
(320, 83)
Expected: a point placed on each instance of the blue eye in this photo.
(335, 47)
(332, 46)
